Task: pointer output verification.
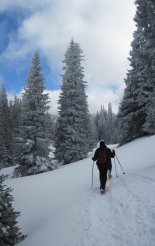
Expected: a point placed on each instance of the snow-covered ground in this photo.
(60, 208)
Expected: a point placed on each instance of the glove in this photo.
(93, 158)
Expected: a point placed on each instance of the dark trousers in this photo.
(103, 175)
(110, 168)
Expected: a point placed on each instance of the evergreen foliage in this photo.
(136, 111)
(105, 122)
(9, 231)
(33, 140)
(72, 128)
(92, 132)
(15, 112)
(5, 131)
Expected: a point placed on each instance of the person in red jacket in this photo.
(103, 157)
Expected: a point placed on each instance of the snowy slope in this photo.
(60, 208)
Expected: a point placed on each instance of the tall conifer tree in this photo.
(136, 103)
(33, 141)
(5, 130)
(72, 129)
(149, 125)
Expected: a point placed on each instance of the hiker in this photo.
(103, 157)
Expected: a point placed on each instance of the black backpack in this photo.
(102, 156)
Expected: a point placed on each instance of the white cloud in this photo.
(103, 28)
(96, 98)
(54, 96)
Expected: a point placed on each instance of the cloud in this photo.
(103, 28)
(53, 96)
(96, 98)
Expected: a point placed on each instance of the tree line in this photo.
(27, 128)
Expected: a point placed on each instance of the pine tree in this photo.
(5, 130)
(149, 125)
(9, 231)
(102, 125)
(111, 122)
(92, 132)
(150, 119)
(140, 78)
(72, 135)
(15, 111)
(105, 122)
(33, 141)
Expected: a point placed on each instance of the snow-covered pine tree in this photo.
(5, 131)
(15, 111)
(9, 232)
(96, 121)
(111, 122)
(149, 125)
(33, 141)
(150, 119)
(140, 78)
(102, 125)
(92, 132)
(106, 124)
(72, 129)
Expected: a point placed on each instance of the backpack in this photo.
(102, 156)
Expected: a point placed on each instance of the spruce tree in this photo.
(33, 141)
(5, 131)
(92, 132)
(106, 124)
(102, 125)
(136, 102)
(149, 125)
(111, 122)
(15, 111)
(150, 119)
(72, 129)
(9, 232)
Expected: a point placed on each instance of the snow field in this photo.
(60, 208)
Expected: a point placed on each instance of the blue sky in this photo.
(103, 29)
(9, 23)
(14, 73)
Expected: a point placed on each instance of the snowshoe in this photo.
(103, 191)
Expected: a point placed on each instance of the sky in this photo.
(103, 28)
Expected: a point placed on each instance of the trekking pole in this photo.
(115, 167)
(120, 164)
(92, 174)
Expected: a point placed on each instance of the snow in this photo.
(60, 208)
